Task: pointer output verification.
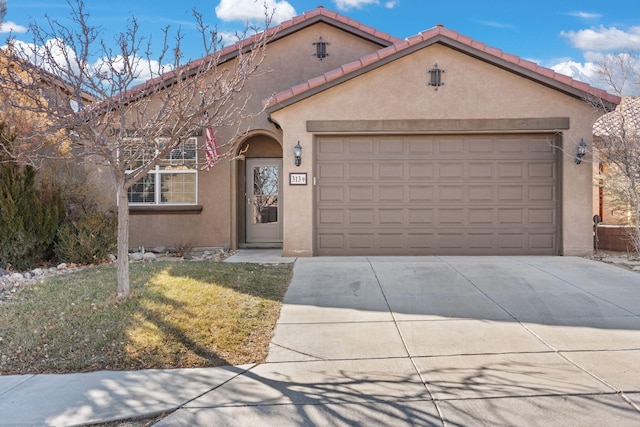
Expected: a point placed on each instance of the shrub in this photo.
(29, 217)
(88, 240)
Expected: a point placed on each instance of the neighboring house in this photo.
(434, 145)
(22, 114)
(622, 125)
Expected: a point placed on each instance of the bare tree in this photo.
(617, 142)
(130, 128)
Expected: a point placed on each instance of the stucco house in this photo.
(616, 133)
(616, 149)
(437, 144)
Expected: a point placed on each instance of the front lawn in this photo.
(180, 315)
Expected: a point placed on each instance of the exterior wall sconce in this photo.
(582, 150)
(297, 154)
(436, 77)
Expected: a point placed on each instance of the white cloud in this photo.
(354, 4)
(604, 38)
(55, 54)
(143, 69)
(585, 15)
(254, 11)
(391, 4)
(495, 24)
(12, 27)
(586, 72)
(590, 71)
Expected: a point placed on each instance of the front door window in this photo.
(263, 208)
(265, 194)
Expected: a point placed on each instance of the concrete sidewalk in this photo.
(397, 341)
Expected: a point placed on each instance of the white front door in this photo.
(263, 216)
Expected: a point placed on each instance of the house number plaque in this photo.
(298, 178)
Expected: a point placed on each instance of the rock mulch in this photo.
(11, 281)
(620, 259)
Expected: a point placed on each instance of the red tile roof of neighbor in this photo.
(440, 34)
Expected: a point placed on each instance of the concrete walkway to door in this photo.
(454, 341)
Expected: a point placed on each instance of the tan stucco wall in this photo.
(288, 61)
(473, 90)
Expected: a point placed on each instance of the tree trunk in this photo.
(123, 242)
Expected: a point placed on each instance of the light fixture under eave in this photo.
(580, 153)
(297, 154)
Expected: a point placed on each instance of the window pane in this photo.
(178, 187)
(265, 194)
(143, 191)
(181, 157)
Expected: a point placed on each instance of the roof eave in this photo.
(496, 57)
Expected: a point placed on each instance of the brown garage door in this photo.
(436, 194)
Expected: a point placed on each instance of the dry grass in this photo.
(181, 314)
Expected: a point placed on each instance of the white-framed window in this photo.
(174, 180)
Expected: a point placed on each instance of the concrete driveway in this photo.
(454, 341)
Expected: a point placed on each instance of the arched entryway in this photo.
(259, 184)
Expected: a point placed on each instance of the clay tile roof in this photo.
(441, 34)
(309, 17)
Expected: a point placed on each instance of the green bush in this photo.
(88, 240)
(29, 217)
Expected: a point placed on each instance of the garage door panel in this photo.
(331, 171)
(441, 243)
(444, 194)
(451, 146)
(331, 194)
(482, 146)
(362, 171)
(390, 241)
(424, 194)
(481, 241)
(512, 216)
(542, 216)
(420, 216)
(420, 171)
(391, 147)
(391, 217)
(360, 146)
(541, 193)
(541, 170)
(331, 217)
(391, 193)
(483, 171)
(393, 171)
(511, 171)
(329, 146)
(420, 147)
(511, 193)
(451, 193)
(451, 171)
(481, 193)
(542, 242)
(481, 216)
(361, 193)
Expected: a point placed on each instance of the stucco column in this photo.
(298, 203)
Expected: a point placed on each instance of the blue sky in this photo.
(567, 35)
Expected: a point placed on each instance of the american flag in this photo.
(211, 148)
